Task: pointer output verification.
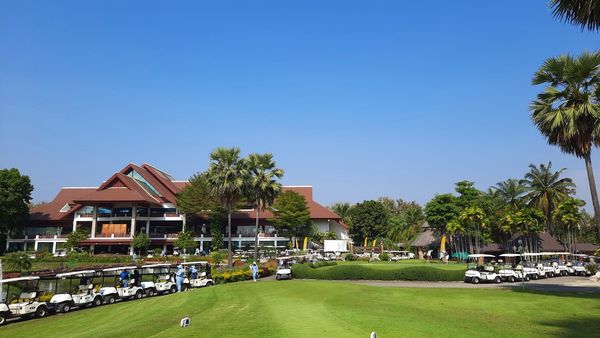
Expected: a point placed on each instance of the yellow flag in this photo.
(374, 242)
(365, 245)
(443, 244)
(297, 244)
(305, 244)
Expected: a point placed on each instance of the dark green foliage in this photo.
(355, 271)
(368, 219)
(15, 195)
(384, 257)
(140, 241)
(197, 197)
(583, 13)
(441, 210)
(320, 264)
(185, 240)
(75, 237)
(17, 261)
(292, 216)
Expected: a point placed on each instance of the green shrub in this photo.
(351, 272)
(321, 264)
(238, 275)
(384, 256)
(349, 257)
(592, 268)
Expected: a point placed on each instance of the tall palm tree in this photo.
(584, 13)
(228, 179)
(567, 112)
(264, 185)
(511, 192)
(547, 189)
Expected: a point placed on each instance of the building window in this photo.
(65, 208)
(142, 181)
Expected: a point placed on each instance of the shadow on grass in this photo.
(583, 326)
(560, 291)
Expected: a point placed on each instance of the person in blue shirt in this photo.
(179, 275)
(124, 277)
(194, 272)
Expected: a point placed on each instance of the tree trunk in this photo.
(229, 258)
(592, 182)
(256, 235)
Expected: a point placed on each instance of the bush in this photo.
(349, 257)
(238, 275)
(18, 261)
(352, 272)
(321, 264)
(592, 268)
(384, 256)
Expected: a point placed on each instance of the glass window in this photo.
(65, 208)
(142, 212)
(142, 181)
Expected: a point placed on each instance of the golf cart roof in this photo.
(18, 279)
(579, 255)
(194, 263)
(532, 254)
(480, 255)
(162, 265)
(510, 255)
(121, 268)
(75, 273)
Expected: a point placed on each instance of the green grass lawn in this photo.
(329, 309)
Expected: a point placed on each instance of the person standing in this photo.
(254, 269)
(124, 277)
(179, 275)
(194, 272)
(136, 281)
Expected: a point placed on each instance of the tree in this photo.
(342, 209)
(567, 112)
(368, 219)
(473, 219)
(511, 192)
(18, 261)
(569, 215)
(441, 210)
(197, 196)
(228, 179)
(185, 241)
(291, 214)
(527, 220)
(264, 186)
(75, 237)
(140, 241)
(547, 189)
(15, 195)
(584, 13)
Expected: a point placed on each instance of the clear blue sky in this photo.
(358, 98)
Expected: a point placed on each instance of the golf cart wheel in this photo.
(184, 288)
(41, 311)
(64, 307)
(551, 275)
(151, 293)
(536, 276)
(475, 280)
(97, 301)
(527, 278)
(110, 300)
(497, 280)
(511, 279)
(564, 273)
(173, 289)
(277, 277)
(139, 294)
(209, 284)
(2, 319)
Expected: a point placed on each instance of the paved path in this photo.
(574, 284)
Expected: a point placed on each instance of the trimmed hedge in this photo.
(230, 276)
(355, 272)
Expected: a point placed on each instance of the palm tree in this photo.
(342, 209)
(547, 189)
(584, 13)
(264, 185)
(568, 111)
(568, 215)
(511, 192)
(228, 179)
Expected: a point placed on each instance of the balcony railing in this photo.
(117, 235)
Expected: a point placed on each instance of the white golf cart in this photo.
(284, 269)
(579, 268)
(534, 269)
(200, 278)
(549, 266)
(477, 273)
(21, 299)
(66, 295)
(511, 273)
(161, 281)
(116, 290)
(396, 256)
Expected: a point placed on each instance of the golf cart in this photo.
(200, 279)
(579, 268)
(559, 265)
(66, 296)
(284, 269)
(400, 255)
(117, 290)
(481, 273)
(21, 299)
(161, 281)
(508, 273)
(534, 269)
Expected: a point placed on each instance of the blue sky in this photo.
(358, 98)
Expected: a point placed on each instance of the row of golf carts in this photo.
(33, 296)
(511, 267)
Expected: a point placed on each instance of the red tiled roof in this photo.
(51, 210)
(119, 188)
(167, 195)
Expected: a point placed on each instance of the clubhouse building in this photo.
(143, 199)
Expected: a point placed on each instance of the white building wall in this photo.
(321, 225)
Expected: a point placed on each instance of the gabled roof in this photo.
(51, 210)
(119, 188)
